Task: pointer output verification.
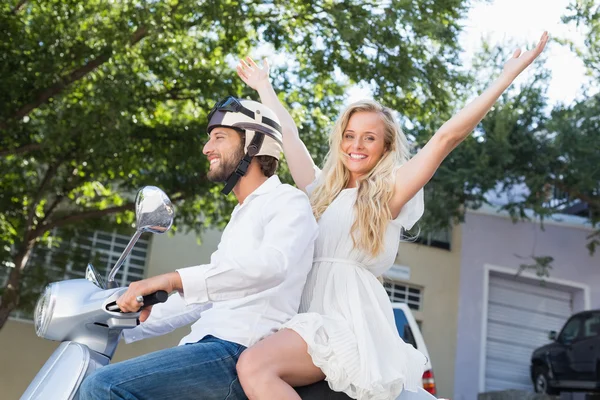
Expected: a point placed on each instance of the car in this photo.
(572, 360)
(409, 332)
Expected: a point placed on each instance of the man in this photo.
(251, 286)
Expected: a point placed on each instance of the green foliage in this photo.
(100, 98)
(584, 15)
(541, 266)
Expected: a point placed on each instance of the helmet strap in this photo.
(242, 168)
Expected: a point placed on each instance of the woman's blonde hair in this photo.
(375, 189)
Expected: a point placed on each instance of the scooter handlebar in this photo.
(153, 298)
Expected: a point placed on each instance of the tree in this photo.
(539, 160)
(100, 98)
(581, 120)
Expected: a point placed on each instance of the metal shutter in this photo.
(520, 314)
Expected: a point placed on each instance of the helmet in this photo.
(260, 125)
(251, 117)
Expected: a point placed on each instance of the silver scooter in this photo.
(83, 315)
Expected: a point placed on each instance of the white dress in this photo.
(345, 315)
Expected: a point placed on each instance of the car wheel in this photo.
(541, 381)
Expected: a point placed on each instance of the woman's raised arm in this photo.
(299, 160)
(416, 172)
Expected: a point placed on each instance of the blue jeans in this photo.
(202, 370)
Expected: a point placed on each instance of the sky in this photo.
(522, 21)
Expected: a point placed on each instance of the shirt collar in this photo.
(268, 186)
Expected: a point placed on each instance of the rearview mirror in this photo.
(552, 335)
(154, 212)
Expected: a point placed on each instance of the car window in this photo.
(591, 326)
(404, 328)
(570, 331)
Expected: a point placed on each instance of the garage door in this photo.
(520, 314)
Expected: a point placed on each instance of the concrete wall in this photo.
(437, 271)
(495, 240)
(167, 253)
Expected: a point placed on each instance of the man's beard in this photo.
(226, 167)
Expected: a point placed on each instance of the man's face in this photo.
(224, 151)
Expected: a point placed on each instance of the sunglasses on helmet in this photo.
(232, 104)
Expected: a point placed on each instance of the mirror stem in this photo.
(115, 269)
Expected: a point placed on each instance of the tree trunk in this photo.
(10, 297)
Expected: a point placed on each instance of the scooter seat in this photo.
(320, 391)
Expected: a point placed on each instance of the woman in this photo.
(367, 191)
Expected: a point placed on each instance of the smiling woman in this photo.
(366, 193)
(366, 148)
(364, 142)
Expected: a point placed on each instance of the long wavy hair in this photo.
(375, 189)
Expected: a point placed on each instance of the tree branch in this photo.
(74, 76)
(81, 216)
(592, 201)
(55, 203)
(138, 35)
(50, 172)
(18, 7)
(20, 150)
(58, 87)
(90, 214)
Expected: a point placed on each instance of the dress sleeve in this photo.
(411, 212)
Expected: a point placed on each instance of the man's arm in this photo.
(290, 231)
(165, 318)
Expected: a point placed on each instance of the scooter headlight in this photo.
(44, 309)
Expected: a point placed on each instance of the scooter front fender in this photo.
(62, 374)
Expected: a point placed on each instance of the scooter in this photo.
(84, 316)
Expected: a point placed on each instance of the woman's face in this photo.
(363, 144)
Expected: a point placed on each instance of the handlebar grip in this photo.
(149, 300)
(154, 298)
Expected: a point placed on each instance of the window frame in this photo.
(390, 286)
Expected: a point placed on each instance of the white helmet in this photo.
(260, 125)
(251, 117)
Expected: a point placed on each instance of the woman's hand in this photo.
(518, 62)
(253, 75)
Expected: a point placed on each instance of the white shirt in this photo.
(255, 279)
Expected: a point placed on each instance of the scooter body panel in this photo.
(62, 374)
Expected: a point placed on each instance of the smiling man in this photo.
(251, 286)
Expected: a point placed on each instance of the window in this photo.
(102, 249)
(403, 293)
(440, 239)
(404, 328)
(570, 331)
(591, 326)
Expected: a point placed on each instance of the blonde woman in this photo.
(366, 192)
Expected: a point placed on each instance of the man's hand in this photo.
(167, 282)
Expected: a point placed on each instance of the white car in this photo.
(409, 332)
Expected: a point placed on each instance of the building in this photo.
(480, 320)
(503, 315)
(426, 277)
